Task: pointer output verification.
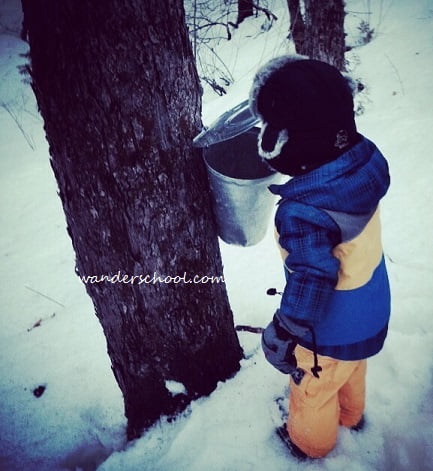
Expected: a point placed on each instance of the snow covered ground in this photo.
(50, 338)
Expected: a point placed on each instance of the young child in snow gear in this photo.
(335, 306)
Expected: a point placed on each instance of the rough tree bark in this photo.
(118, 90)
(297, 26)
(317, 29)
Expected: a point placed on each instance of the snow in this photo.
(50, 337)
(175, 387)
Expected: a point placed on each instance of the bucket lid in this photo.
(230, 124)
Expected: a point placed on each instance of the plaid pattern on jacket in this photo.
(353, 184)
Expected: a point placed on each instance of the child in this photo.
(335, 306)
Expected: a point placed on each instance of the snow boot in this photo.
(294, 450)
(359, 426)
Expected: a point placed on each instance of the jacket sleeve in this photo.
(309, 235)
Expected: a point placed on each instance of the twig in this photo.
(249, 328)
(231, 78)
(396, 73)
(15, 118)
(389, 258)
(39, 322)
(44, 296)
(266, 11)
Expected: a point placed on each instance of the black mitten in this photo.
(278, 345)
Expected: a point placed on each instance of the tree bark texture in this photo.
(297, 26)
(118, 90)
(319, 32)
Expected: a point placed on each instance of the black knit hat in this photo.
(307, 111)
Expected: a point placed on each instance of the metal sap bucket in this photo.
(239, 182)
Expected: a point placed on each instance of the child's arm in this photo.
(308, 235)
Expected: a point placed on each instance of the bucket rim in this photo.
(240, 181)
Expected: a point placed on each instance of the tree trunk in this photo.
(320, 33)
(297, 26)
(245, 9)
(118, 90)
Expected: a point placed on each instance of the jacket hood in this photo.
(353, 183)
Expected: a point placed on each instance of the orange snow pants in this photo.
(319, 405)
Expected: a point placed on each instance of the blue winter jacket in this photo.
(336, 280)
